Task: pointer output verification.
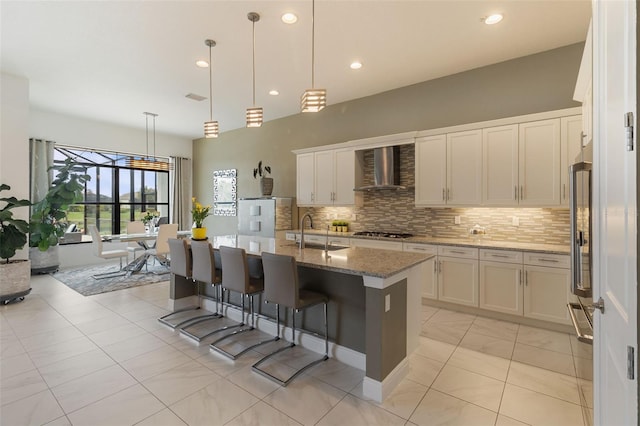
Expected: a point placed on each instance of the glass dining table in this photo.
(143, 240)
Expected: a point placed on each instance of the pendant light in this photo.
(211, 128)
(313, 100)
(148, 162)
(254, 114)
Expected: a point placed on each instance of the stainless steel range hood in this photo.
(386, 170)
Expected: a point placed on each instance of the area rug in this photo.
(81, 279)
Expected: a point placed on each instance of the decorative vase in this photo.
(199, 233)
(15, 280)
(266, 186)
(43, 262)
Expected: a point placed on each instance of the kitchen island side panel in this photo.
(386, 330)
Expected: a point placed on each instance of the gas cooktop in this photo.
(383, 234)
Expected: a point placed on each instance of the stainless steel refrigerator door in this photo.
(581, 231)
(257, 217)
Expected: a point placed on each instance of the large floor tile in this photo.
(14, 365)
(427, 312)
(34, 410)
(253, 382)
(180, 382)
(545, 339)
(508, 421)
(215, 404)
(354, 411)
(133, 347)
(74, 367)
(439, 409)
(481, 363)
(585, 388)
(20, 386)
(544, 381)
(535, 408)
(581, 349)
(435, 349)
(87, 389)
(443, 332)
(584, 367)
(402, 401)
(165, 417)
(155, 362)
(262, 414)
(126, 407)
(48, 338)
(116, 334)
(423, 370)
(337, 374)
(60, 351)
(96, 325)
(471, 387)
(306, 399)
(488, 345)
(495, 328)
(549, 360)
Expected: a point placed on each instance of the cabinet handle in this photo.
(542, 259)
(435, 267)
(564, 191)
(419, 248)
(521, 192)
(457, 252)
(526, 278)
(515, 192)
(502, 256)
(443, 199)
(520, 276)
(312, 197)
(440, 267)
(448, 197)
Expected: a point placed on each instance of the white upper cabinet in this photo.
(449, 169)
(539, 171)
(571, 144)
(583, 91)
(327, 177)
(464, 168)
(431, 170)
(500, 166)
(305, 170)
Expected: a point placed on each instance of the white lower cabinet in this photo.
(546, 293)
(429, 280)
(458, 276)
(377, 244)
(501, 281)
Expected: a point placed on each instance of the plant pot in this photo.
(199, 233)
(43, 262)
(15, 280)
(266, 186)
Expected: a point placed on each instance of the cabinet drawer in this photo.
(551, 260)
(501, 256)
(319, 239)
(420, 248)
(377, 244)
(463, 252)
(291, 236)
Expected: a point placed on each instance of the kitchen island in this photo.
(374, 309)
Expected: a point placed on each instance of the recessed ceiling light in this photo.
(356, 65)
(289, 18)
(274, 92)
(202, 63)
(493, 19)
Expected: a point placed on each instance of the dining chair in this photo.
(96, 243)
(161, 249)
(135, 227)
(282, 287)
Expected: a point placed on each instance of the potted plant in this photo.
(149, 219)
(15, 277)
(48, 216)
(266, 183)
(199, 213)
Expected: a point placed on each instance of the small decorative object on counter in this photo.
(149, 219)
(334, 225)
(266, 183)
(199, 213)
(340, 225)
(477, 231)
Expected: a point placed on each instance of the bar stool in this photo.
(281, 286)
(181, 264)
(205, 270)
(236, 277)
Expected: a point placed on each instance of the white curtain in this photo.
(180, 192)
(41, 153)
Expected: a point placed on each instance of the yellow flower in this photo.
(199, 212)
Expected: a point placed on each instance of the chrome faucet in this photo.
(326, 244)
(306, 215)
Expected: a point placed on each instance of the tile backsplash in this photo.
(394, 211)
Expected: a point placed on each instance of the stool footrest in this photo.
(163, 319)
(284, 382)
(245, 350)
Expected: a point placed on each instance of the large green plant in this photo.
(48, 216)
(13, 232)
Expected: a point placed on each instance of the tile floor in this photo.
(66, 359)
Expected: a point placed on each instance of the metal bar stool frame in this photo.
(181, 264)
(204, 270)
(236, 277)
(279, 268)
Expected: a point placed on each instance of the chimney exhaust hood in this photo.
(386, 170)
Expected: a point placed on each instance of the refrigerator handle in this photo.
(576, 235)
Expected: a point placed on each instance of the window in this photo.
(116, 194)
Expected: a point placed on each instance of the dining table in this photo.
(143, 239)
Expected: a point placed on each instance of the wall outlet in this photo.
(387, 303)
(456, 220)
(515, 221)
(353, 217)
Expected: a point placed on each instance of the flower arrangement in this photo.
(199, 212)
(258, 170)
(149, 216)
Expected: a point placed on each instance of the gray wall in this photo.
(535, 83)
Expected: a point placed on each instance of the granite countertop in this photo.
(352, 260)
(460, 242)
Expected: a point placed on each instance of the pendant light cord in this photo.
(313, 42)
(253, 25)
(146, 130)
(210, 87)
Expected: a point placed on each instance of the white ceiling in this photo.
(112, 60)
